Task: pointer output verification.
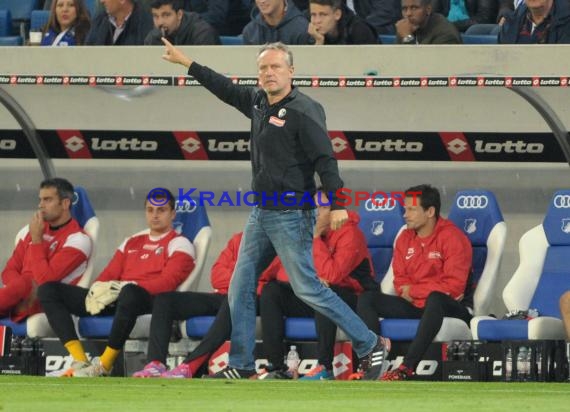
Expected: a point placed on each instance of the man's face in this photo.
(268, 7)
(167, 19)
(539, 4)
(159, 218)
(51, 206)
(275, 75)
(324, 18)
(112, 6)
(414, 214)
(415, 12)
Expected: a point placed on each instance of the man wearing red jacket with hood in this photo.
(432, 264)
(54, 249)
(343, 264)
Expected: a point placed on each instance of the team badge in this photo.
(470, 225)
(282, 113)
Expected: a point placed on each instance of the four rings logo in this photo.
(380, 204)
(562, 201)
(472, 202)
(185, 206)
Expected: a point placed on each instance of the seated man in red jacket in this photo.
(343, 264)
(432, 266)
(154, 261)
(173, 306)
(55, 249)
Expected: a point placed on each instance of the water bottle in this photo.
(15, 346)
(539, 364)
(293, 360)
(509, 365)
(523, 364)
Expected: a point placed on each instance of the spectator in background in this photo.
(432, 265)
(421, 26)
(276, 21)
(123, 23)
(67, 25)
(465, 13)
(146, 264)
(54, 249)
(178, 26)
(381, 14)
(169, 307)
(537, 22)
(228, 17)
(565, 312)
(343, 264)
(334, 23)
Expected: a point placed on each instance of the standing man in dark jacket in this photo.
(334, 23)
(123, 23)
(179, 27)
(288, 144)
(537, 22)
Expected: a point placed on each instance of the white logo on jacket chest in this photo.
(282, 113)
(410, 253)
(434, 255)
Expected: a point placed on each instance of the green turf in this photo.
(127, 394)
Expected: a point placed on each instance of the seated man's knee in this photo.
(48, 291)
(129, 295)
(435, 299)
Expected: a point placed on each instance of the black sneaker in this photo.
(231, 373)
(376, 363)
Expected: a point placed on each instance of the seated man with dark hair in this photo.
(54, 249)
(178, 26)
(432, 266)
(146, 264)
(420, 25)
(334, 23)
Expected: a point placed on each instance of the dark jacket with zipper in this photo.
(288, 143)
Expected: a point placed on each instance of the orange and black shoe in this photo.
(401, 373)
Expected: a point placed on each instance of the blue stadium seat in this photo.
(231, 40)
(192, 221)
(81, 209)
(477, 213)
(11, 41)
(21, 11)
(479, 38)
(542, 276)
(479, 29)
(5, 23)
(387, 38)
(91, 7)
(39, 19)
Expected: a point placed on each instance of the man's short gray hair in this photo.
(278, 46)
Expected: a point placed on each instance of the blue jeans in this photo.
(288, 234)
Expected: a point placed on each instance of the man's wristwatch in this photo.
(408, 39)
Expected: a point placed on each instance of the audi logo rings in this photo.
(185, 206)
(562, 201)
(472, 202)
(379, 204)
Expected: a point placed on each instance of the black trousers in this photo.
(279, 301)
(375, 304)
(176, 306)
(60, 301)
